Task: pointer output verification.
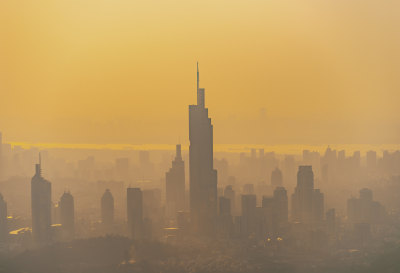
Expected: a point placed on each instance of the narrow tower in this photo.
(41, 206)
(67, 212)
(203, 177)
(175, 185)
(107, 211)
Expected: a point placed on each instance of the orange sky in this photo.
(113, 71)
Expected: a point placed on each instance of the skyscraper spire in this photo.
(39, 166)
(198, 76)
(203, 176)
(200, 91)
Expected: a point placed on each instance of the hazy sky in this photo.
(274, 71)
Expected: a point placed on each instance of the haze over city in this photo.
(277, 72)
(199, 136)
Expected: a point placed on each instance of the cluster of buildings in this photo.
(227, 212)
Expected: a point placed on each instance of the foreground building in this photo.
(41, 207)
(203, 177)
(307, 202)
(135, 213)
(67, 216)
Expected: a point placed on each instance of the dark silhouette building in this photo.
(67, 215)
(307, 203)
(107, 211)
(203, 177)
(41, 207)
(281, 204)
(302, 197)
(331, 221)
(135, 213)
(3, 220)
(231, 195)
(248, 219)
(318, 206)
(175, 185)
(225, 216)
(365, 209)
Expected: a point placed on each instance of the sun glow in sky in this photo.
(275, 72)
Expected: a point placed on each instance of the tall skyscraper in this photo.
(249, 203)
(135, 213)
(281, 204)
(175, 185)
(67, 215)
(225, 216)
(107, 210)
(41, 206)
(302, 204)
(307, 202)
(3, 220)
(203, 177)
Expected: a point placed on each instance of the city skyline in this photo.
(114, 159)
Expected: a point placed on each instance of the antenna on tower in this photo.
(198, 76)
(39, 166)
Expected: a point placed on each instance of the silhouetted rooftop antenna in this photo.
(198, 76)
(39, 166)
(200, 91)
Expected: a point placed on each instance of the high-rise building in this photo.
(281, 204)
(365, 209)
(175, 185)
(331, 221)
(231, 195)
(203, 176)
(318, 205)
(67, 215)
(224, 206)
(107, 210)
(41, 206)
(225, 216)
(248, 214)
(3, 220)
(152, 213)
(307, 203)
(135, 213)
(276, 178)
(302, 197)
